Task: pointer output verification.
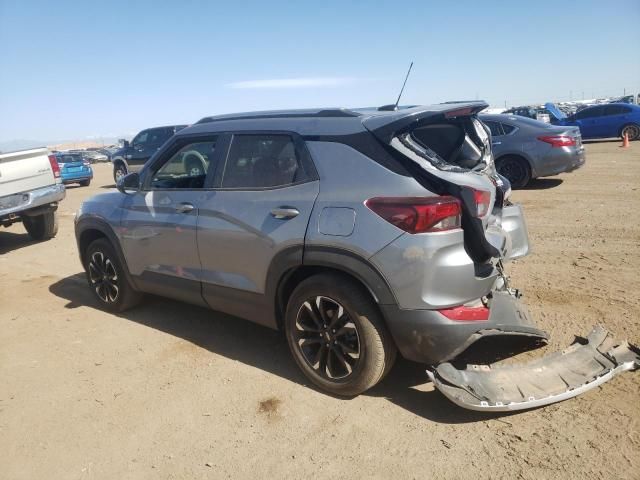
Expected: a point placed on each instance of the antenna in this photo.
(402, 89)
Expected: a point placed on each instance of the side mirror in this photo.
(125, 143)
(130, 183)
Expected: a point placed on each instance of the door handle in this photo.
(496, 143)
(184, 208)
(284, 213)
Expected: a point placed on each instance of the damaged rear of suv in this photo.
(359, 233)
(453, 292)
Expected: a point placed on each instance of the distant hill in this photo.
(23, 144)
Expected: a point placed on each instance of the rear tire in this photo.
(107, 278)
(337, 335)
(42, 227)
(85, 183)
(516, 169)
(632, 130)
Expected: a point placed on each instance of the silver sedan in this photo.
(524, 148)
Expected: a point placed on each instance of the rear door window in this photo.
(507, 129)
(590, 113)
(494, 127)
(262, 161)
(616, 110)
(158, 136)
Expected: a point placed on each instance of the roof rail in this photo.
(326, 113)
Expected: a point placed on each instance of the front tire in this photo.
(337, 335)
(119, 171)
(632, 131)
(107, 279)
(516, 169)
(42, 227)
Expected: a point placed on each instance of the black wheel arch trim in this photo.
(353, 264)
(285, 265)
(85, 224)
(335, 258)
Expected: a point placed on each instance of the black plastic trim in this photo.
(353, 264)
(181, 289)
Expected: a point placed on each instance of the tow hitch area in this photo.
(553, 378)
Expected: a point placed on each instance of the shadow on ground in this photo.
(263, 348)
(10, 241)
(543, 184)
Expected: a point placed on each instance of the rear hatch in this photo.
(448, 150)
(72, 164)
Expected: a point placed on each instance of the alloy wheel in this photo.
(119, 173)
(327, 337)
(514, 170)
(103, 277)
(632, 131)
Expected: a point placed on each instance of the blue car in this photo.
(601, 121)
(74, 168)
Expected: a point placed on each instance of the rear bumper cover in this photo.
(550, 379)
(560, 162)
(426, 336)
(76, 176)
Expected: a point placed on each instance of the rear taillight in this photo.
(418, 214)
(467, 314)
(482, 199)
(558, 140)
(55, 168)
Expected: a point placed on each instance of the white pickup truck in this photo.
(30, 189)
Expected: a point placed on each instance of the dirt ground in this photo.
(174, 391)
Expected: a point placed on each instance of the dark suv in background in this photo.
(133, 155)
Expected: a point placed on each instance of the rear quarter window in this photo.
(507, 129)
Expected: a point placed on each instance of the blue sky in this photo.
(69, 70)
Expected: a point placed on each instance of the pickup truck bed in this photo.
(30, 189)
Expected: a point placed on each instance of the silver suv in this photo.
(358, 233)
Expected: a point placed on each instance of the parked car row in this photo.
(359, 234)
(604, 120)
